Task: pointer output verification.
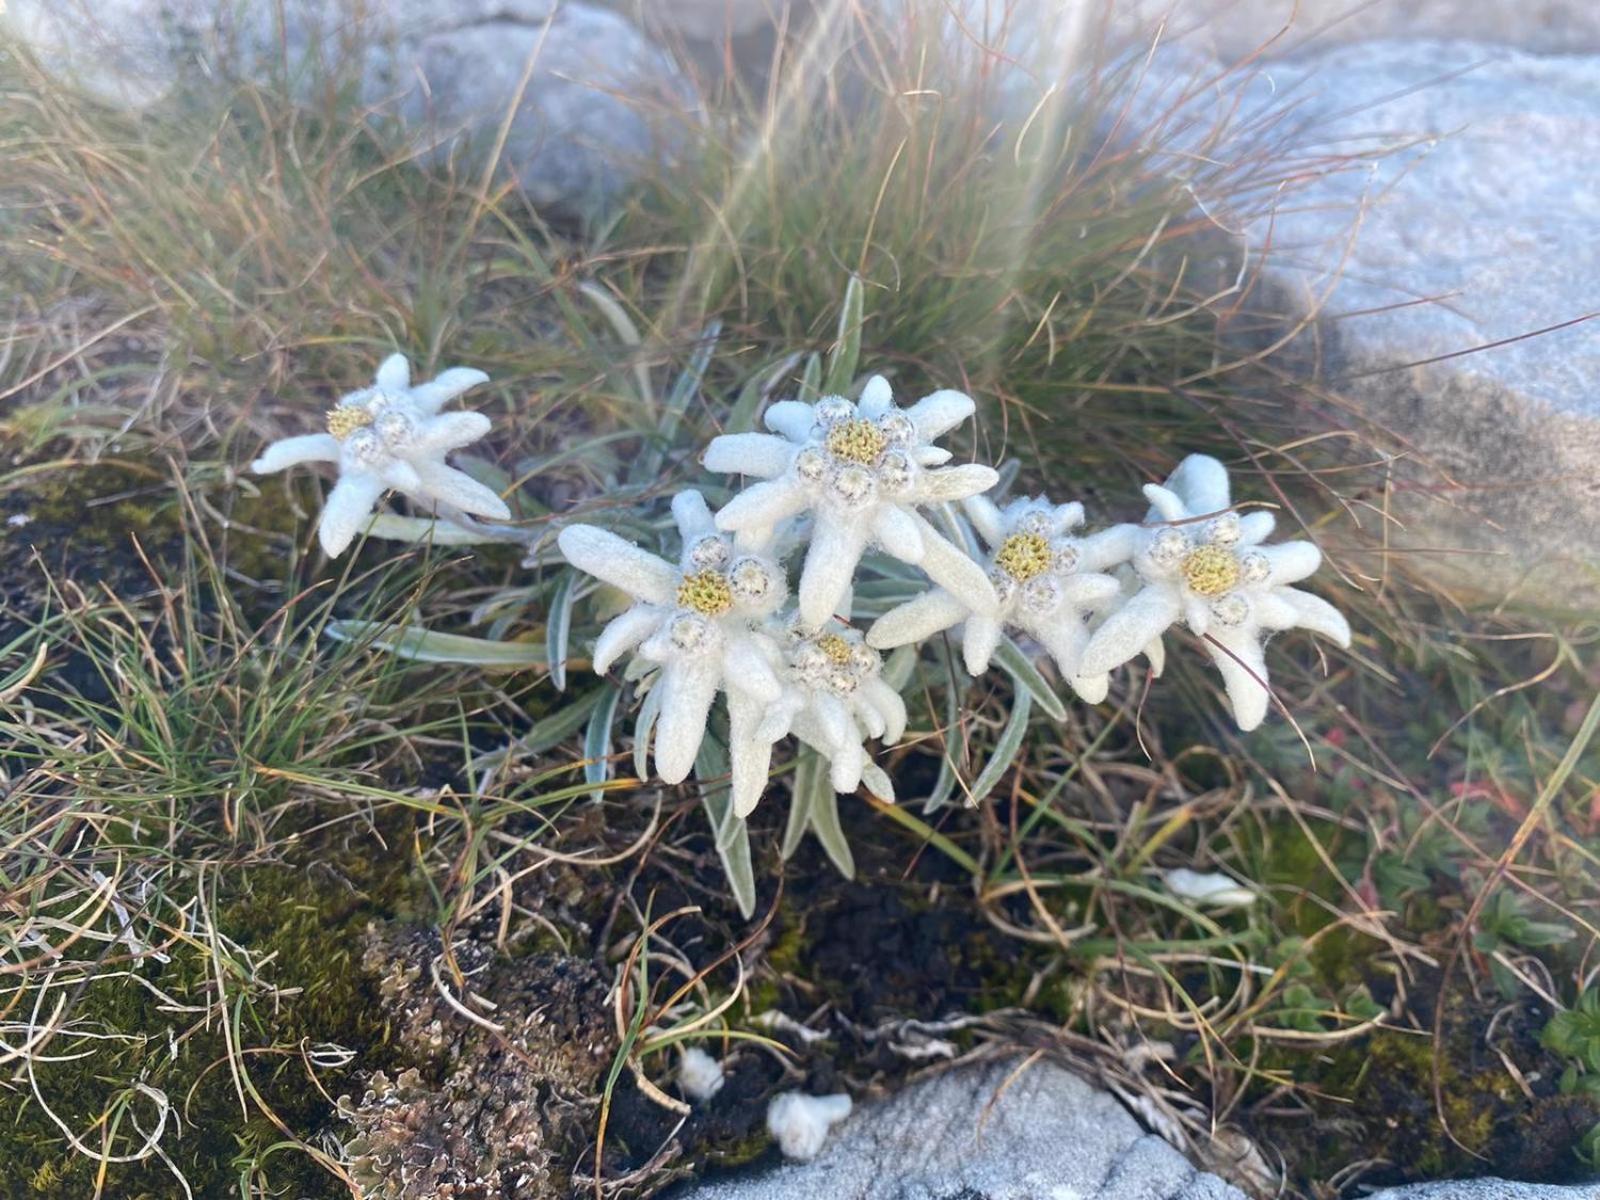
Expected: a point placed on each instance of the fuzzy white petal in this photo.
(1155, 653)
(763, 505)
(1065, 639)
(877, 397)
(622, 633)
(460, 489)
(894, 529)
(1089, 591)
(1164, 505)
(394, 374)
(620, 563)
(749, 754)
(1091, 689)
(830, 565)
(292, 451)
(1255, 527)
(1109, 547)
(915, 620)
(1316, 614)
(779, 718)
(692, 516)
(1196, 615)
(1221, 891)
(449, 431)
(1290, 562)
(986, 519)
(445, 387)
(957, 483)
(953, 570)
(348, 507)
(979, 640)
(1201, 482)
(845, 765)
(1237, 653)
(791, 418)
(890, 706)
(401, 476)
(747, 670)
(763, 455)
(687, 689)
(833, 720)
(1148, 614)
(940, 412)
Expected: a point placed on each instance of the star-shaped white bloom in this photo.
(1199, 562)
(700, 622)
(391, 435)
(833, 700)
(862, 471)
(1048, 582)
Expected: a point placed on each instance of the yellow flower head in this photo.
(1023, 556)
(346, 419)
(705, 592)
(858, 442)
(1211, 571)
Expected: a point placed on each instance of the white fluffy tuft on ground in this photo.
(699, 1074)
(800, 1123)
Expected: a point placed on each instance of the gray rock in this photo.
(1451, 204)
(1490, 1189)
(979, 1134)
(709, 20)
(1232, 29)
(599, 102)
(1481, 232)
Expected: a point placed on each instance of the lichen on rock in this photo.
(485, 1108)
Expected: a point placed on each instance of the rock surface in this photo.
(1476, 226)
(599, 102)
(709, 20)
(1490, 1189)
(1232, 29)
(979, 1134)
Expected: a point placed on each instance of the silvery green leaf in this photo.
(732, 834)
(825, 820)
(424, 531)
(810, 380)
(565, 721)
(1010, 659)
(897, 668)
(1005, 750)
(846, 353)
(558, 628)
(423, 645)
(597, 739)
(810, 776)
(648, 711)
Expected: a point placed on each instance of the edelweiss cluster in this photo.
(844, 479)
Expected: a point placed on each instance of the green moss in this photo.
(302, 923)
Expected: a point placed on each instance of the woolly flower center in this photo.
(705, 592)
(835, 647)
(1023, 556)
(345, 420)
(857, 441)
(1211, 570)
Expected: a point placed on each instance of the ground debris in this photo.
(499, 1076)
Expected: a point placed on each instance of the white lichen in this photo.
(800, 1123)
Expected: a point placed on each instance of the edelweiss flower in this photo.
(833, 700)
(1204, 564)
(1047, 582)
(391, 435)
(861, 471)
(698, 621)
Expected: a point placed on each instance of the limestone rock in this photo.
(1476, 226)
(979, 1134)
(600, 100)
